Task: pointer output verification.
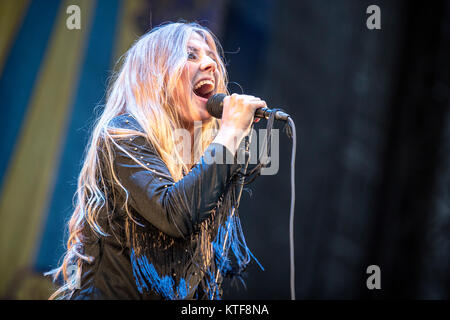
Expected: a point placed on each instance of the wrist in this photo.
(230, 138)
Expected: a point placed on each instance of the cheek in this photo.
(189, 70)
(187, 78)
(218, 77)
(184, 87)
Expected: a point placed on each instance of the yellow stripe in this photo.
(31, 173)
(129, 31)
(11, 16)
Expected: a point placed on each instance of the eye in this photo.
(192, 56)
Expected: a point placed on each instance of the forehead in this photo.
(197, 41)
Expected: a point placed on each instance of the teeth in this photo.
(198, 85)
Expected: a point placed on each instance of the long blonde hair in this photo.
(147, 87)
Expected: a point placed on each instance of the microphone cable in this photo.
(255, 172)
(215, 108)
(291, 214)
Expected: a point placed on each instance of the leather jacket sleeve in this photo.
(175, 208)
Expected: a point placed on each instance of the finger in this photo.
(258, 104)
(249, 97)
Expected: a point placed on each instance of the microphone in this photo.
(215, 108)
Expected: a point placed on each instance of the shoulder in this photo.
(125, 121)
(133, 141)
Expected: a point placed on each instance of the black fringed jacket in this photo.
(157, 254)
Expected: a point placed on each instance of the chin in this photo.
(201, 114)
(204, 116)
(198, 114)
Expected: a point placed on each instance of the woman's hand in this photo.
(237, 117)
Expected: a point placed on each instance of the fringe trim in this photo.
(167, 265)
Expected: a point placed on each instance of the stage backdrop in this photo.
(53, 79)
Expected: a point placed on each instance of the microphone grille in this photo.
(214, 106)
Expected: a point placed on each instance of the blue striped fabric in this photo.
(91, 89)
(20, 73)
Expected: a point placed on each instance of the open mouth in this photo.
(204, 89)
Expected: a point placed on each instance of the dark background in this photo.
(372, 172)
(371, 109)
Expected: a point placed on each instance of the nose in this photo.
(208, 64)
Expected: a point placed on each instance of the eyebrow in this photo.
(196, 50)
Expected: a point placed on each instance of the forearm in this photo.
(230, 138)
